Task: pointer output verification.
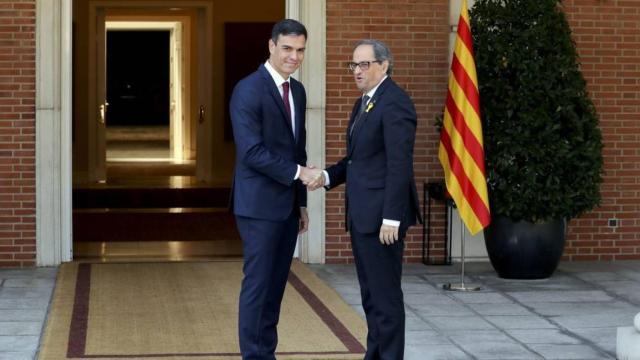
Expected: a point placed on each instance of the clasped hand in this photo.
(311, 177)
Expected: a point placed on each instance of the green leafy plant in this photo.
(542, 143)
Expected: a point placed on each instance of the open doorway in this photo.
(153, 107)
(70, 143)
(146, 104)
(138, 95)
(148, 73)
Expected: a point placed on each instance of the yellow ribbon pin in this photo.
(369, 106)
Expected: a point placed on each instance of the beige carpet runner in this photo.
(187, 311)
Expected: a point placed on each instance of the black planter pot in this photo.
(523, 250)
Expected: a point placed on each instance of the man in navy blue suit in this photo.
(381, 197)
(269, 199)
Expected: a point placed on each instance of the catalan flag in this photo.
(461, 150)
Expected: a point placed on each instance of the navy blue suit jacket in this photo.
(267, 153)
(378, 168)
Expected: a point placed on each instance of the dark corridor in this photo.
(138, 78)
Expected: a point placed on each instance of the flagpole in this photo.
(461, 151)
(461, 286)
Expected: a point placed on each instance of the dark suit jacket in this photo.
(378, 168)
(267, 154)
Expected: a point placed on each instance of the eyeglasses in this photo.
(364, 65)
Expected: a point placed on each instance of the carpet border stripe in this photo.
(80, 320)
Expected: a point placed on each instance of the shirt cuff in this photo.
(326, 178)
(394, 223)
(297, 173)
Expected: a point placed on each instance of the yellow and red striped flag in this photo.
(461, 151)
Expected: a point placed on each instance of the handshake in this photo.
(313, 178)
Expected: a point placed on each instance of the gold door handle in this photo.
(201, 114)
(103, 112)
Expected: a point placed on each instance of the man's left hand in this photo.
(388, 234)
(304, 221)
(317, 183)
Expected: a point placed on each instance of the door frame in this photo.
(53, 131)
(97, 108)
(312, 73)
(96, 129)
(176, 72)
(54, 63)
(203, 125)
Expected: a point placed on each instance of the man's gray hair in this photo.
(380, 51)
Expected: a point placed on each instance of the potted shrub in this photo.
(542, 143)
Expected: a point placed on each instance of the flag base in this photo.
(460, 287)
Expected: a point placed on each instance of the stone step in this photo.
(150, 197)
(154, 224)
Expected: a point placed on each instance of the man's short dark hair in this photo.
(287, 27)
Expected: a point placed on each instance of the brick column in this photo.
(17, 133)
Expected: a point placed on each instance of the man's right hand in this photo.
(310, 175)
(317, 183)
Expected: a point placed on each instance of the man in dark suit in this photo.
(269, 199)
(381, 197)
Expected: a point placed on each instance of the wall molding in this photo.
(53, 132)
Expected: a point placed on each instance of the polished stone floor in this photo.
(573, 315)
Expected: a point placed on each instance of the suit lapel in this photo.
(272, 89)
(359, 125)
(298, 104)
(354, 113)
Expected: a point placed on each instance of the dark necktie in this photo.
(285, 98)
(363, 105)
(287, 106)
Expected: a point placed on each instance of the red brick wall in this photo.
(608, 37)
(17, 133)
(607, 34)
(417, 33)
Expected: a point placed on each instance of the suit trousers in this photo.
(267, 250)
(379, 270)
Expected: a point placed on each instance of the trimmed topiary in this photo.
(542, 142)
